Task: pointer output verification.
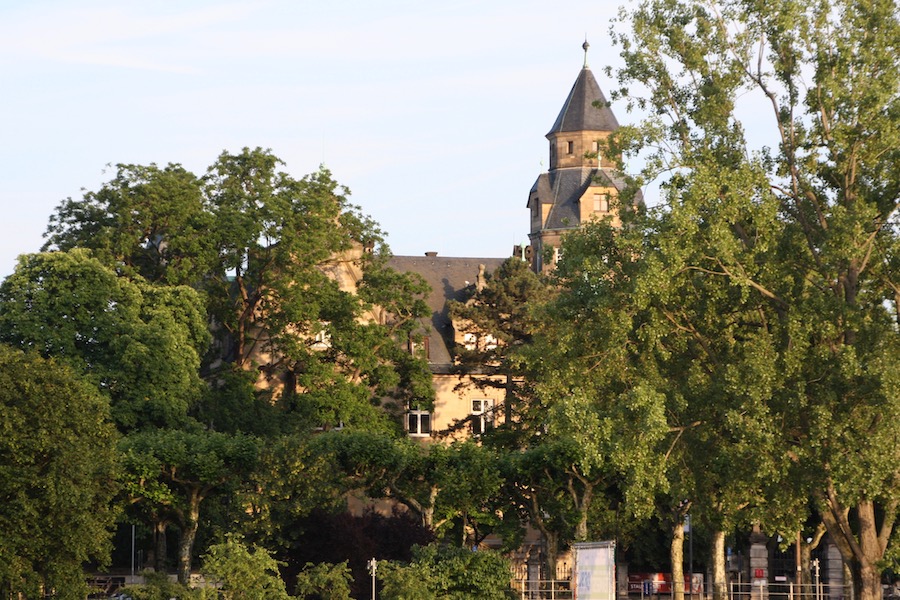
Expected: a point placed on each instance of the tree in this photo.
(242, 573)
(437, 482)
(58, 472)
(500, 316)
(176, 471)
(138, 343)
(147, 221)
(807, 231)
(324, 582)
(293, 279)
(456, 573)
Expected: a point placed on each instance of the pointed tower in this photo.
(580, 183)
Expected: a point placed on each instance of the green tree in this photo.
(242, 573)
(158, 586)
(438, 483)
(324, 582)
(400, 581)
(293, 279)
(147, 221)
(500, 317)
(806, 231)
(58, 476)
(140, 344)
(291, 480)
(175, 471)
(454, 573)
(288, 247)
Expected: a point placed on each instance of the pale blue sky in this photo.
(432, 113)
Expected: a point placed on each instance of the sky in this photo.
(433, 114)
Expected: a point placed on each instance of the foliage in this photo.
(438, 571)
(174, 471)
(147, 221)
(290, 482)
(793, 245)
(293, 279)
(242, 574)
(58, 471)
(139, 344)
(437, 482)
(324, 581)
(401, 581)
(501, 319)
(158, 586)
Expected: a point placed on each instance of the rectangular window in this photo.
(482, 415)
(557, 255)
(418, 423)
(601, 203)
(570, 147)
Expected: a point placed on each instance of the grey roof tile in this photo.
(564, 187)
(579, 113)
(448, 278)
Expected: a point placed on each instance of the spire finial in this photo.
(585, 45)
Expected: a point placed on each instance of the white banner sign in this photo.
(595, 571)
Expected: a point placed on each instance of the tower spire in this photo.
(585, 45)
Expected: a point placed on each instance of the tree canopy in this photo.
(791, 241)
(58, 476)
(139, 344)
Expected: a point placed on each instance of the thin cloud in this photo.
(114, 35)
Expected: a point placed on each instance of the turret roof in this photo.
(579, 112)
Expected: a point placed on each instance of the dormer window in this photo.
(420, 347)
(601, 203)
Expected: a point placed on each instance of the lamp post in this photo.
(373, 566)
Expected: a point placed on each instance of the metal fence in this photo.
(788, 591)
(542, 589)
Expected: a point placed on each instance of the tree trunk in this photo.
(719, 582)
(862, 551)
(551, 541)
(160, 545)
(584, 506)
(676, 554)
(188, 535)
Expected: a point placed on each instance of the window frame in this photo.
(419, 415)
(482, 418)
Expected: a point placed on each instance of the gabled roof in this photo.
(448, 277)
(579, 113)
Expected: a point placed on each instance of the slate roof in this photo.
(564, 187)
(579, 113)
(448, 278)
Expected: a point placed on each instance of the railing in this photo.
(542, 589)
(526, 571)
(101, 586)
(788, 591)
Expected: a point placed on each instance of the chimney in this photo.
(431, 254)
